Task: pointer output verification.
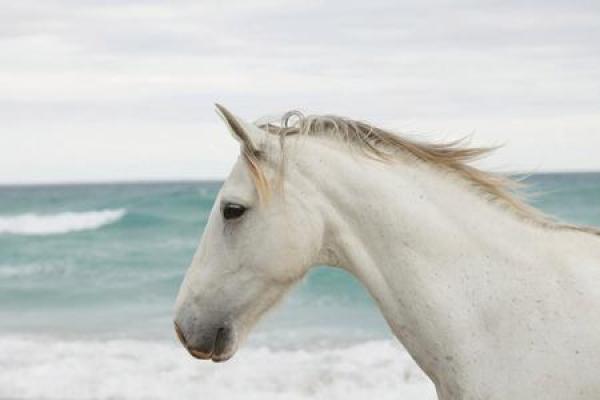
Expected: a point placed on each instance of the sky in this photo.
(117, 90)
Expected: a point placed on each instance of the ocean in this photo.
(89, 276)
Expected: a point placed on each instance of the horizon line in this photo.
(149, 180)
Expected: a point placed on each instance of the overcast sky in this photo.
(122, 90)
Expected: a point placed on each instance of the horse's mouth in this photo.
(210, 356)
(220, 350)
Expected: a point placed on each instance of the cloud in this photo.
(136, 79)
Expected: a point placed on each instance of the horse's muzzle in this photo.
(211, 343)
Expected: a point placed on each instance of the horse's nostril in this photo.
(180, 335)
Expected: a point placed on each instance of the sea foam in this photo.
(20, 271)
(34, 368)
(66, 222)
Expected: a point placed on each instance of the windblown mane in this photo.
(383, 145)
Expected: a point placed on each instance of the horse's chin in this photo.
(219, 358)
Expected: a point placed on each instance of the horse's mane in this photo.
(386, 146)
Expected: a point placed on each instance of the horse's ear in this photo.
(249, 135)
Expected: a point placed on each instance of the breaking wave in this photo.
(66, 222)
(141, 369)
(20, 271)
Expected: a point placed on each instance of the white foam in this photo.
(33, 368)
(35, 224)
(18, 271)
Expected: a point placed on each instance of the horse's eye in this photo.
(233, 211)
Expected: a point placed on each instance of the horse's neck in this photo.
(427, 247)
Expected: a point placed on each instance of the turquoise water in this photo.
(89, 274)
(121, 277)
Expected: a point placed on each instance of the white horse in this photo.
(492, 299)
